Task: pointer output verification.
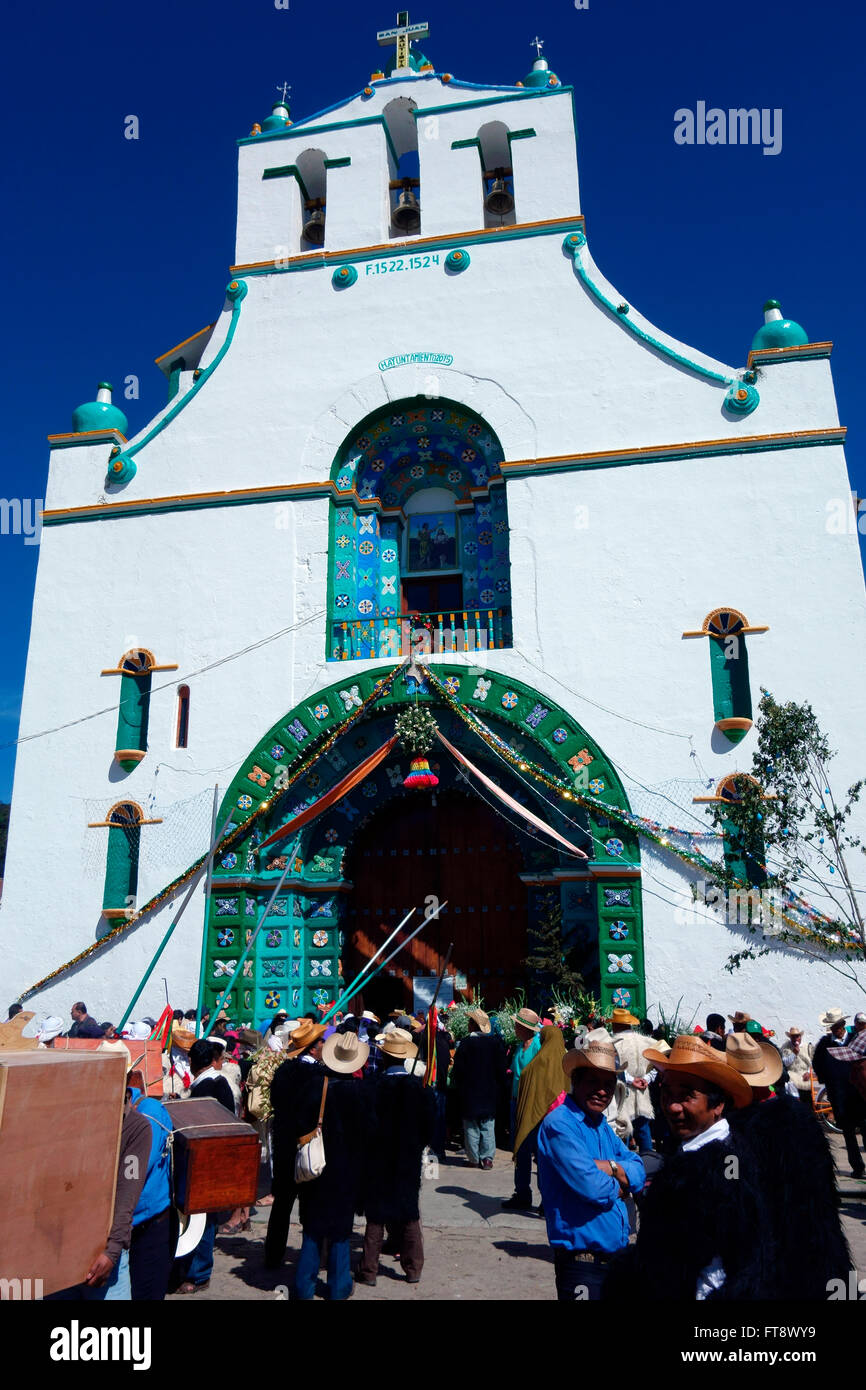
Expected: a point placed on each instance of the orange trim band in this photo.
(398, 247)
(757, 356)
(87, 434)
(191, 339)
(655, 450)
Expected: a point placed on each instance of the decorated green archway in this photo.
(493, 720)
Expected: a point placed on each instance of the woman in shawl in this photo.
(540, 1084)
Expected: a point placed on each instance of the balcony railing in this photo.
(473, 630)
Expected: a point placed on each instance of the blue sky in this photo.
(115, 249)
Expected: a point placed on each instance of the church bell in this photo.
(499, 200)
(314, 227)
(407, 213)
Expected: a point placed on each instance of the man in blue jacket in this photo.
(585, 1172)
(154, 1223)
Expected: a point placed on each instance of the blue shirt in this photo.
(521, 1059)
(156, 1193)
(582, 1205)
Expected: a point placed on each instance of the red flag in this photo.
(162, 1031)
(431, 1026)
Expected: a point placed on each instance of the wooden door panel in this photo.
(457, 850)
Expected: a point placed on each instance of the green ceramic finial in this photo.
(99, 414)
(776, 331)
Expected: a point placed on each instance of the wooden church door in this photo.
(456, 850)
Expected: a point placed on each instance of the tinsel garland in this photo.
(650, 830)
(381, 688)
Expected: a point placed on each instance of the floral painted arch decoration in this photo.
(316, 745)
(409, 447)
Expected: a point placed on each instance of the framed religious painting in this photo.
(431, 542)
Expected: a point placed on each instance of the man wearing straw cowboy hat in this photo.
(404, 1119)
(328, 1203)
(478, 1076)
(849, 1104)
(585, 1172)
(803, 1235)
(637, 1106)
(296, 1076)
(702, 1228)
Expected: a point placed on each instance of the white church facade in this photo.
(424, 423)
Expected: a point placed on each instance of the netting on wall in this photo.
(164, 849)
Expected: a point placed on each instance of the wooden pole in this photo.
(240, 965)
(203, 961)
(432, 1006)
(165, 940)
(334, 1007)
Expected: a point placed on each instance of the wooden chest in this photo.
(60, 1120)
(216, 1157)
(146, 1057)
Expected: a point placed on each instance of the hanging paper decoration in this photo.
(416, 729)
(509, 801)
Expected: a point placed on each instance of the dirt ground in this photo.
(473, 1250)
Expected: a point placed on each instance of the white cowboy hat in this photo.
(832, 1017)
(344, 1052)
(758, 1062)
(398, 1044)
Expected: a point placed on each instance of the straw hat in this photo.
(623, 1016)
(397, 1044)
(527, 1019)
(740, 1017)
(756, 1060)
(306, 1033)
(832, 1016)
(371, 1018)
(344, 1052)
(596, 1035)
(794, 1032)
(182, 1038)
(481, 1018)
(597, 1053)
(689, 1054)
(663, 1046)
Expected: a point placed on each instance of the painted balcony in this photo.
(474, 630)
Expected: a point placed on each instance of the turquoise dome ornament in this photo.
(279, 119)
(99, 414)
(540, 76)
(777, 332)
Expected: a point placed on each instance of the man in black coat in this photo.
(804, 1243)
(479, 1078)
(327, 1203)
(702, 1223)
(295, 1086)
(404, 1113)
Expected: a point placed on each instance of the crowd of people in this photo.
(691, 1169)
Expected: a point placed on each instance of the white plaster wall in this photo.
(518, 317)
(609, 567)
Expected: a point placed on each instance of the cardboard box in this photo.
(60, 1120)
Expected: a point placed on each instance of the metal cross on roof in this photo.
(284, 90)
(403, 36)
(537, 44)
